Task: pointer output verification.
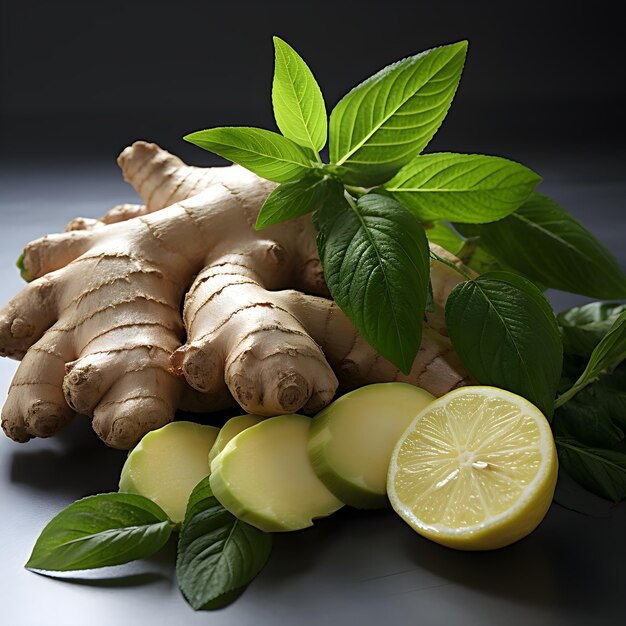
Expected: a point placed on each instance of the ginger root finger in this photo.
(52, 252)
(119, 213)
(137, 403)
(25, 318)
(237, 334)
(436, 368)
(35, 406)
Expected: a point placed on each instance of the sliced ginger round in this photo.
(231, 429)
(264, 476)
(168, 463)
(475, 470)
(352, 439)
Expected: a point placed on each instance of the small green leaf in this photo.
(102, 530)
(297, 198)
(505, 332)
(218, 554)
(263, 152)
(468, 250)
(376, 263)
(388, 119)
(299, 106)
(444, 236)
(610, 351)
(470, 188)
(583, 327)
(599, 470)
(546, 244)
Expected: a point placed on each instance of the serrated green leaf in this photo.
(218, 554)
(389, 118)
(298, 103)
(542, 241)
(102, 530)
(599, 470)
(469, 188)
(263, 152)
(582, 327)
(376, 264)
(299, 197)
(505, 332)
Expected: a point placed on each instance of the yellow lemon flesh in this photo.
(475, 470)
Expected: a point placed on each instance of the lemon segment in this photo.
(475, 470)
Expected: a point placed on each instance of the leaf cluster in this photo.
(379, 194)
(218, 554)
(590, 418)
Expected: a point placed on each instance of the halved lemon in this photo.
(475, 470)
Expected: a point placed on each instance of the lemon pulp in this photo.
(476, 469)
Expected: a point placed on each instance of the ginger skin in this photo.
(99, 330)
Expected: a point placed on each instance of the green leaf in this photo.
(469, 250)
(470, 188)
(583, 327)
(263, 152)
(297, 198)
(610, 351)
(546, 244)
(102, 530)
(376, 264)
(596, 416)
(388, 119)
(599, 470)
(218, 554)
(299, 106)
(505, 332)
(444, 236)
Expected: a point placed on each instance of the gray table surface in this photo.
(353, 568)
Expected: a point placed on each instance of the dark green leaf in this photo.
(583, 327)
(300, 197)
(218, 554)
(595, 416)
(505, 332)
(263, 152)
(102, 530)
(546, 244)
(470, 188)
(376, 263)
(298, 102)
(388, 119)
(599, 470)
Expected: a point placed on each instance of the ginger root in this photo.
(99, 329)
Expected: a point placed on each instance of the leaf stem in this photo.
(571, 392)
(457, 268)
(356, 190)
(350, 200)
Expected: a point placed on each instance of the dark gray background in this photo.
(87, 78)
(544, 84)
